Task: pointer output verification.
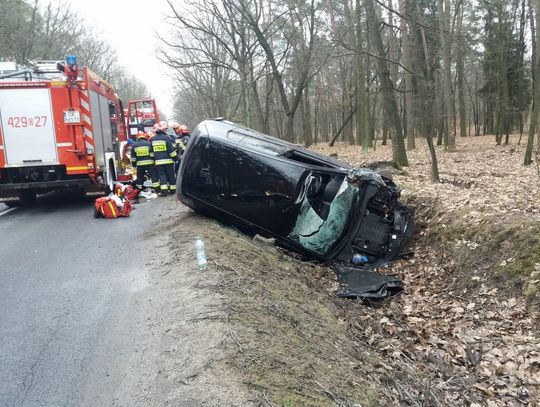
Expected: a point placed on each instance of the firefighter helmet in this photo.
(155, 127)
(141, 134)
(184, 129)
(163, 126)
(149, 134)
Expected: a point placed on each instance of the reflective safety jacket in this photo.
(164, 151)
(142, 153)
(181, 143)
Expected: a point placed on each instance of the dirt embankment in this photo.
(463, 333)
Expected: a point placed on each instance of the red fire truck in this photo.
(61, 126)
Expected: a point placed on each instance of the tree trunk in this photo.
(408, 98)
(460, 73)
(536, 101)
(392, 45)
(308, 136)
(424, 97)
(444, 21)
(399, 154)
(362, 104)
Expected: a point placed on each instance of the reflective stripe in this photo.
(114, 208)
(164, 161)
(142, 151)
(173, 154)
(159, 145)
(163, 187)
(155, 184)
(77, 168)
(145, 162)
(172, 187)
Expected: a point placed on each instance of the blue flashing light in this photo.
(71, 60)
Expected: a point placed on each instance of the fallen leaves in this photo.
(456, 338)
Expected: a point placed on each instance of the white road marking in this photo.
(7, 211)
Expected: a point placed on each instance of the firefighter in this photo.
(164, 157)
(182, 138)
(182, 134)
(142, 158)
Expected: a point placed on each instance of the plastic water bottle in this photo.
(359, 259)
(201, 256)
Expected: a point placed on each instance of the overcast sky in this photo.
(129, 26)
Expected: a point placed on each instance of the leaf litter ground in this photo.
(465, 332)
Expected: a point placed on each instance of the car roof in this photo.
(240, 135)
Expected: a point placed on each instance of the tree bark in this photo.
(444, 20)
(362, 104)
(536, 101)
(399, 154)
(424, 100)
(408, 96)
(306, 122)
(460, 72)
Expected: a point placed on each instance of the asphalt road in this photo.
(75, 297)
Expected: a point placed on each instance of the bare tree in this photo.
(536, 101)
(446, 41)
(408, 96)
(399, 153)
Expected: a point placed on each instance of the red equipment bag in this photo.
(131, 193)
(106, 207)
(126, 209)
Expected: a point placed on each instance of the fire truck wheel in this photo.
(28, 197)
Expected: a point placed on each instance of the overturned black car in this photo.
(347, 217)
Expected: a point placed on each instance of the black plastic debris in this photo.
(356, 282)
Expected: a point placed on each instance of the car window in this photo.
(255, 143)
(319, 235)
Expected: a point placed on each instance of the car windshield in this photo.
(318, 235)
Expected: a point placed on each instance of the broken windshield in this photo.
(318, 235)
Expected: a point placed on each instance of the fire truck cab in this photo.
(60, 127)
(141, 115)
